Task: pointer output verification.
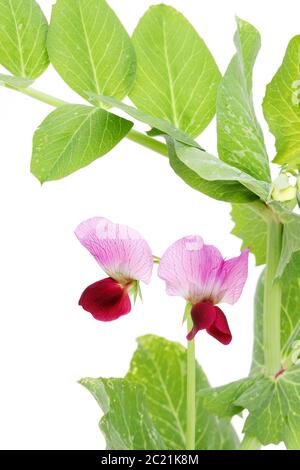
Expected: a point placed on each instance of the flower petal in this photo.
(190, 269)
(203, 315)
(234, 274)
(121, 251)
(106, 300)
(220, 329)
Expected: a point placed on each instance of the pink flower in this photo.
(198, 273)
(125, 257)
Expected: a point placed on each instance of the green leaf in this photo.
(273, 405)
(155, 387)
(127, 424)
(291, 231)
(290, 243)
(177, 77)
(160, 366)
(72, 137)
(274, 409)
(19, 82)
(90, 48)
(229, 191)
(291, 234)
(240, 139)
(221, 400)
(281, 106)
(290, 317)
(156, 123)
(251, 226)
(23, 33)
(211, 168)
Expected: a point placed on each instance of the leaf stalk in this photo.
(272, 300)
(133, 135)
(250, 443)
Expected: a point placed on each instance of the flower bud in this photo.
(282, 190)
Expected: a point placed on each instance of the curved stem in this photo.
(272, 300)
(191, 391)
(148, 142)
(133, 135)
(250, 443)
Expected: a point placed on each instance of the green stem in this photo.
(39, 95)
(191, 391)
(133, 135)
(148, 142)
(272, 300)
(250, 443)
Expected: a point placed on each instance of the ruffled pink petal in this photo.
(191, 269)
(203, 315)
(234, 275)
(121, 251)
(220, 329)
(106, 300)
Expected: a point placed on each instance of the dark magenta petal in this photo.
(220, 329)
(106, 300)
(203, 315)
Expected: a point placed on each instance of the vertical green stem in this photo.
(191, 390)
(272, 300)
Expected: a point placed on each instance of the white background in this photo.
(46, 341)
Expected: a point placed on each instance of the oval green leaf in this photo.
(90, 48)
(72, 137)
(211, 168)
(281, 106)
(23, 34)
(177, 77)
(240, 139)
(228, 191)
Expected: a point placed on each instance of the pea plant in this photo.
(175, 88)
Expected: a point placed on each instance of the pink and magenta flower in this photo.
(198, 273)
(125, 257)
